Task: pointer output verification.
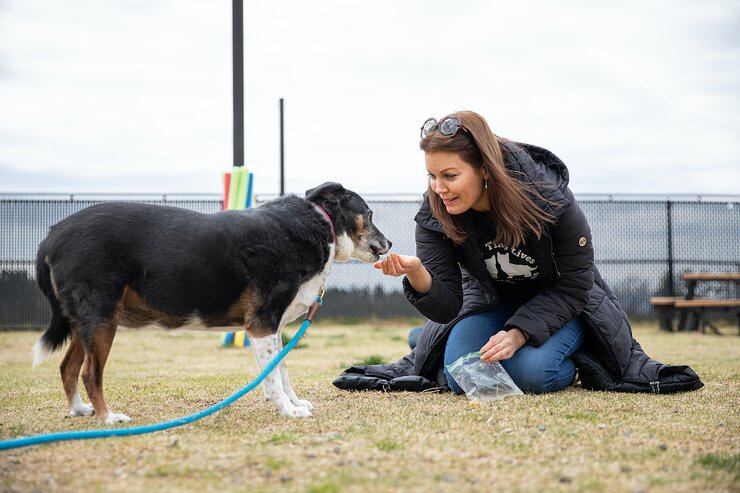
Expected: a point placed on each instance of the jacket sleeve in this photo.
(573, 256)
(437, 253)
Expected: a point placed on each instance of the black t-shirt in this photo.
(516, 272)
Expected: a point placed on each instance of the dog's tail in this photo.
(59, 329)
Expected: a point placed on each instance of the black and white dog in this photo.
(134, 264)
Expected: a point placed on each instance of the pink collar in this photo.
(323, 211)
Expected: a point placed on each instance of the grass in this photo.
(575, 440)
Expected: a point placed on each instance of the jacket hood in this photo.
(540, 165)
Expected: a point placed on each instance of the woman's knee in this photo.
(543, 380)
(541, 386)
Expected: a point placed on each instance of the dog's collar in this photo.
(323, 211)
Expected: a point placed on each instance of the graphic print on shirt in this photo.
(509, 264)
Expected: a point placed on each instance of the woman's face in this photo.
(458, 184)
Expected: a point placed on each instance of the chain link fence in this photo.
(642, 245)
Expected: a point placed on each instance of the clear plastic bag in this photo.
(482, 381)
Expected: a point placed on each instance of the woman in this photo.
(504, 265)
(503, 212)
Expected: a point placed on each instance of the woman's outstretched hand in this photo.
(398, 265)
(405, 265)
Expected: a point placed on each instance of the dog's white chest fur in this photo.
(308, 292)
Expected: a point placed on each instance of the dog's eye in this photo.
(370, 216)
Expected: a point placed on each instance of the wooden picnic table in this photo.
(693, 278)
(691, 310)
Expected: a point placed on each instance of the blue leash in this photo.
(140, 430)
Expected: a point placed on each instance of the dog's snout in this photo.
(382, 247)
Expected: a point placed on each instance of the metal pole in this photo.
(238, 72)
(671, 291)
(282, 150)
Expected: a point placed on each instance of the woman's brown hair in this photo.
(511, 200)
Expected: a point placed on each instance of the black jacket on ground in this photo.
(609, 359)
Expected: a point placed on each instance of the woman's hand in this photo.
(502, 345)
(405, 265)
(398, 265)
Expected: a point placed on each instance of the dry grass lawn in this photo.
(575, 440)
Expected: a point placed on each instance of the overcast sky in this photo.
(135, 96)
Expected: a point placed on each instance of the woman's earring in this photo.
(485, 184)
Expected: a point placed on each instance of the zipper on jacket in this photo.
(557, 272)
(552, 254)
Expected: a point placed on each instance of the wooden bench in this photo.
(691, 312)
(666, 307)
(694, 310)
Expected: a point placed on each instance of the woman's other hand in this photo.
(502, 345)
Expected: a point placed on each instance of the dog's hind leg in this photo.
(286, 380)
(97, 347)
(265, 349)
(70, 370)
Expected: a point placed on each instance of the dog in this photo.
(133, 265)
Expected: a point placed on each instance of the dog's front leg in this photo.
(265, 349)
(286, 380)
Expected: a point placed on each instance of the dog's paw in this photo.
(296, 412)
(303, 403)
(82, 410)
(113, 419)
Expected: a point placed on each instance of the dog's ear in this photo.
(328, 192)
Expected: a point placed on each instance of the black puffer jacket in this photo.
(564, 254)
(462, 286)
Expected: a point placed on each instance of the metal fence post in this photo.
(669, 217)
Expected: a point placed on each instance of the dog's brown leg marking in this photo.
(245, 306)
(258, 330)
(96, 355)
(71, 365)
(133, 311)
(244, 309)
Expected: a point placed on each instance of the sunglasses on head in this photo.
(448, 126)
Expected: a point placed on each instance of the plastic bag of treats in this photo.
(482, 381)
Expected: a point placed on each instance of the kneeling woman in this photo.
(504, 259)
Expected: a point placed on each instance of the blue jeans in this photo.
(547, 368)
